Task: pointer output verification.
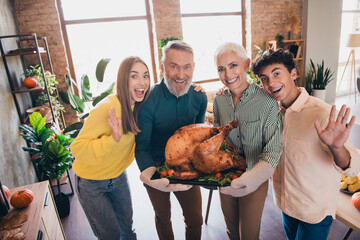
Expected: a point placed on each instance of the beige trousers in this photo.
(243, 215)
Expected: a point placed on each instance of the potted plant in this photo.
(51, 82)
(51, 151)
(321, 77)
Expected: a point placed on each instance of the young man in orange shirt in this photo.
(316, 150)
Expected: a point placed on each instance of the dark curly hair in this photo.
(271, 57)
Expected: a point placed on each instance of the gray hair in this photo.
(178, 45)
(231, 47)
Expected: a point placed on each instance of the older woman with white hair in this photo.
(257, 139)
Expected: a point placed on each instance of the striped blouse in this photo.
(258, 136)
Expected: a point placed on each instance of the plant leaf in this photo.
(110, 88)
(100, 69)
(76, 103)
(85, 88)
(99, 98)
(75, 128)
(83, 115)
(65, 97)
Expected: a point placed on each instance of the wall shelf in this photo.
(24, 89)
(23, 42)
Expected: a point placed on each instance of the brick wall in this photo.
(166, 20)
(41, 17)
(267, 19)
(270, 17)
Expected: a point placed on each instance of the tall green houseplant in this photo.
(321, 76)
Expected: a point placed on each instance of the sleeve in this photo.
(143, 139)
(354, 167)
(272, 137)
(216, 122)
(95, 141)
(200, 118)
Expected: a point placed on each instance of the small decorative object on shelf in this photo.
(30, 82)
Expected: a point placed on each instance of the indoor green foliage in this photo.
(51, 150)
(79, 104)
(253, 79)
(308, 82)
(279, 41)
(33, 71)
(321, 76)
(51, 83)
(164, 41)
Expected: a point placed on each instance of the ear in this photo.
(162, 68)
(293, 74)
(247, 64)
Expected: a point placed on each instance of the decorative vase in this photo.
(319, 93)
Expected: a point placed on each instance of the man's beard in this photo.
(170, 84)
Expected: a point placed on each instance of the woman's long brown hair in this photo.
(128, 117)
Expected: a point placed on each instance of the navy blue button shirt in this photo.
(160, 116)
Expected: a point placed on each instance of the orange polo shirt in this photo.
(306, 181)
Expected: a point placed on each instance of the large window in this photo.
(105, 29)
(207, 24)
(350, 24)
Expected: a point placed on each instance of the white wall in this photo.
(322, 28)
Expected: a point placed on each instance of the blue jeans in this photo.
(298, 230)
(108, 207)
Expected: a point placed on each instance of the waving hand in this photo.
(115, 124)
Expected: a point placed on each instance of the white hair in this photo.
(231, 47)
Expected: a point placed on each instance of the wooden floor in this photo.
(77, 227)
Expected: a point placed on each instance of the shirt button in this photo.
(238, 136)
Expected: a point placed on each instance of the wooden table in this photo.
(347, 213)
(43, 221)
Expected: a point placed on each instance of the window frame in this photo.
(241, 13)
(64, 23)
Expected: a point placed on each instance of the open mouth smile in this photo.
(139, 92)
(179, 81)
(232, 80)
(276, 90)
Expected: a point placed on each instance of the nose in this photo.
(227, 74)
(143, 81)
(180, 73)
(270, 81)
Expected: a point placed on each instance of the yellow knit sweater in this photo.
(97, 155)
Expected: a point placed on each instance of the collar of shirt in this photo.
(299, 102)
(248, 92)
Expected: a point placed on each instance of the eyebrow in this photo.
(133, 71)
(271, 71)
(275, 69)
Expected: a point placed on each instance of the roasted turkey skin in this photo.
(195, 150)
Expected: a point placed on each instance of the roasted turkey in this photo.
(199, 149)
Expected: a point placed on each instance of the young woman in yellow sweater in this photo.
(104, 149)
